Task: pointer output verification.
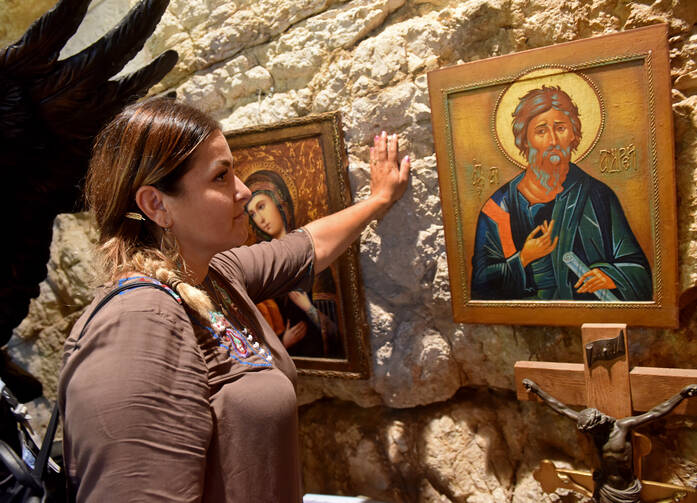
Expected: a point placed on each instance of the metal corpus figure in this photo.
(50, 111)
(615, 481)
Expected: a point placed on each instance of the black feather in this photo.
(40, 45)
(108, 55)
(132, 85)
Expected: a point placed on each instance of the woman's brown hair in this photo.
(149, 143)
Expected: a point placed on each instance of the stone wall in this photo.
(437, 420)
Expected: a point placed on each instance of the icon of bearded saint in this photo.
(552, 214)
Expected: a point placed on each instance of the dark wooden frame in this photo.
(328, 129)
(647, 48)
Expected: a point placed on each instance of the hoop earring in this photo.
(163, 238)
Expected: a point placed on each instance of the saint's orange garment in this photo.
(269, 309)
(503, 221)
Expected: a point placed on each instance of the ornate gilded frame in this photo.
(324, 130)
(630, 73)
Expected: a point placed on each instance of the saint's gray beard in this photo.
(548, 177)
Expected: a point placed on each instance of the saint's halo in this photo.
(579, 87)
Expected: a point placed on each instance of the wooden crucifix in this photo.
(604, 382)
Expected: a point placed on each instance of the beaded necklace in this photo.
(239, 343)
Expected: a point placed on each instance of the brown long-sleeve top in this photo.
(154, 409)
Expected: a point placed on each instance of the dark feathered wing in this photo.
(50, 111)
(37, 51)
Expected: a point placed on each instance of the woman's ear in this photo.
(150, 200)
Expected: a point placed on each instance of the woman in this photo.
(304, 329)
(163, 401)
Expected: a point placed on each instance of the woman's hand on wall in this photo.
(388, 177)
(388, 181)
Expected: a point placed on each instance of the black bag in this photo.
(34, 475)
(25, 477)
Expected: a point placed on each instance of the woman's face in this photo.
(266, 215)
(208, 213)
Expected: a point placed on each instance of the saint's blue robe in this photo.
(589, 221)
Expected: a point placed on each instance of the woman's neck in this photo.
(195, 275)
(194, 267)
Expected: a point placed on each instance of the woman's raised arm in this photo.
(333, 234)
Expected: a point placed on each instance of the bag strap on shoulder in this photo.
(114, 293)
(39, 470)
